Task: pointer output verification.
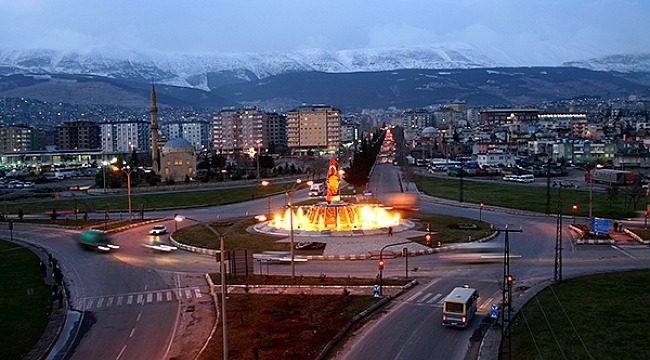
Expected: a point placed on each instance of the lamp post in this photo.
(127, 170)
(258, 159)
(480, 212)
(179, 218)
(104, 171)
(295, 187)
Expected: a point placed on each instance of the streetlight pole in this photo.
(295, 187)
(222, 237)
(258, 160)
(128, 172)
(104, 171)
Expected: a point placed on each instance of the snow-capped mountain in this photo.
(625, 63)
(192, 70)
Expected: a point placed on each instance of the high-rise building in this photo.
(78, 135)
(195, 131)
(239, 130)
(125, 135)
(17, 138)
(313, 128)
(276, 130)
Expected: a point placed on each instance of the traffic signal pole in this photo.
(381, 262)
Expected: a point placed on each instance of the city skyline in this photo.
(518, 33)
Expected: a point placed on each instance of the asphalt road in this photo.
(132, 300)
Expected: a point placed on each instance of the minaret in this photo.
(155, 154)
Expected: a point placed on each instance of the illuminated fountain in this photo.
(334, 216)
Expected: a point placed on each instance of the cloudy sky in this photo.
(531, 32)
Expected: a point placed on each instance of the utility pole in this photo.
(558, 235)
(507, 296)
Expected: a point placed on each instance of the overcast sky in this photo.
(535, 32)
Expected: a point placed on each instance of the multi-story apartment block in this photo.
(276, 130)
(418, 119)
(78, 135)
(239, 130)
(508, 116)
(580, 152)
(17, 138)
(195, 131)
(125, 135)
(313, 128)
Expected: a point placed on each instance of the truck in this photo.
(611, 177)
(95, 240)
(317, 189)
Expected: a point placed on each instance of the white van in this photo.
(527, 178)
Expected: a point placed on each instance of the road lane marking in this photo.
(434, 298)
(129, 300)
(119, 300)
(149, 298)
(89, 304)
(425, 297)
(624, 252)
(197, 292)
(109, 302)
(415, 296)
(169, 296)
(132, 331)
(159, 297)
(188, 293)
(140, 299)
(100, 302)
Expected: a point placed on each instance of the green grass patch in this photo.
(236, 236)
(525, 197)
(445, 228)
(23, 317)
(599, 307)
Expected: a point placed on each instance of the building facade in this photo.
(16, 138)
(78, 135)
(313, 128)
(239, 130)
(126, 135)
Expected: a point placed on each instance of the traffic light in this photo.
(428, 227)
(509, 279)
(575, 207)
(427, 237)
(381, 264)
(481, 205)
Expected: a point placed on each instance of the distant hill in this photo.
(350, 80)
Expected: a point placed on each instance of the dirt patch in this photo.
(284, 326)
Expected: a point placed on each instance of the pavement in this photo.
(198, 321)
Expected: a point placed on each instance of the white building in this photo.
(125, 135)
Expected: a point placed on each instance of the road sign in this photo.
(375, 291)
(495, 306)
(494, 314)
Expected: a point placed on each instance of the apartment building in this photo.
(239, 130)
(78, 135)
(313, 128)
(195, 131)
(17, 138)
(125, 135)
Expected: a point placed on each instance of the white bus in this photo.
(459, 307)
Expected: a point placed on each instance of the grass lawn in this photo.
(605, 312)
(163, 200)
(530, 198)
(236, 236)
(23, 316)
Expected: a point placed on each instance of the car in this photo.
(156, 245)
(158, 230)
(29, 184)
(14, 184)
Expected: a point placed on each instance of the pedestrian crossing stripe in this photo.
(95, 303)
(429, 298)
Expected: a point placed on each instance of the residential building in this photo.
(17, 138)
(125, 135)
(78, 135)
(313, 128)
(276, 130)
(239, 130)
(195, 131)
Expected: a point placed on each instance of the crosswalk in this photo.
(429, 298)
(147, 297)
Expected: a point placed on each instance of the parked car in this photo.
(158, 230)
(29, 184)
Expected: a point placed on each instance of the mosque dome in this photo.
(177, 143)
